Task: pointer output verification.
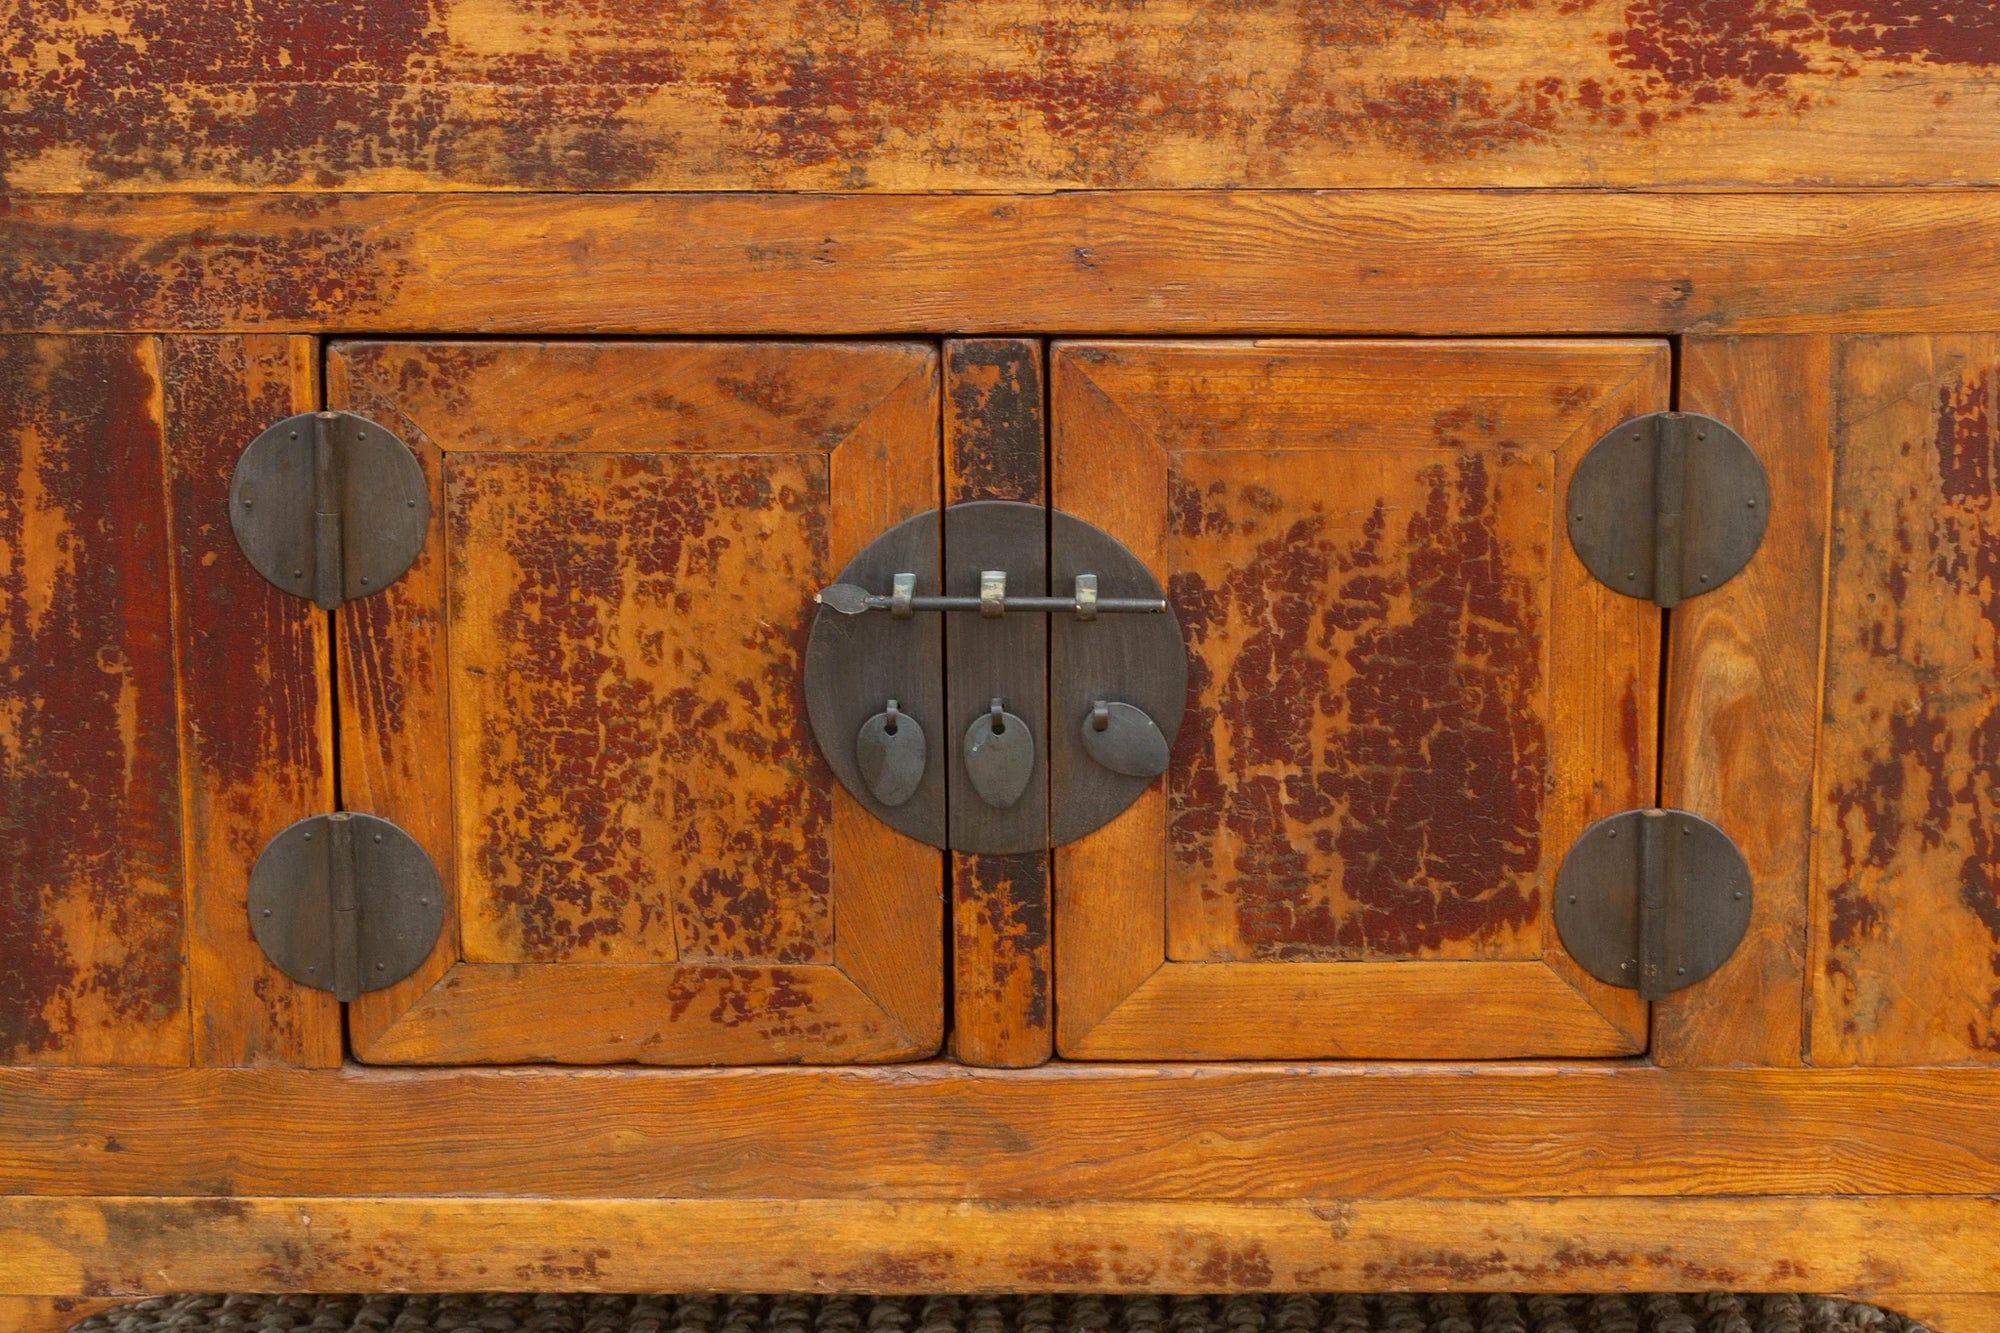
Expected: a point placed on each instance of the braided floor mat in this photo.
(506, 1313)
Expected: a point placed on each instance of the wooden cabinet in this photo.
(586, 701)
(1315, 312)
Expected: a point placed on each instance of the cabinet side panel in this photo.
(92, 915)
(1743, 681)
(1906, 920)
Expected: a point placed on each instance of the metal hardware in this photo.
(1053, 659)
(890, 752)
(1136, 661)
(855, 662)
(329, 505)
(992, 601)
(1652, 900)
(345, 902)
(999, 756)
(1124, 740)
(1005, 656)
(1667, 506)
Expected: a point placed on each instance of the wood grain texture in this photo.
(1061, 1132)
(1863, 1247)
(1093, 263)
(93, 913)
(589, 690)
(256, 723)
(1966, 1313)
(1406, 698)
(995, 443)
(51, 1314)
(1023, 94)
(1743, 701)
(1906, 911)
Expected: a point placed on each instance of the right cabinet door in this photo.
(1406, 698)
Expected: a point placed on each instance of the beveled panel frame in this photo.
(880, 998)
(1119, 995)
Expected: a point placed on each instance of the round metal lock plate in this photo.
(1704, 898)
(1133, 663)
(399, 902)
(362, 498)
(1713, 491)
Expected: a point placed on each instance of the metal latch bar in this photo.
(1084, 603)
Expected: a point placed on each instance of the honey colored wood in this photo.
(995, 442)
(797, 95)
(584, 701)
(1906, 910)
(1867, 1247)
(1413, 263)
(1406, 698)
(51, 1314)
(256, 722)
(93, 914)
(1951, 1313)
(1743, 701)
(1055, 1134)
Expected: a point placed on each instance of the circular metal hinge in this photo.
(329, 505)
(1667, 506)
(1652, 900)
(346, 903)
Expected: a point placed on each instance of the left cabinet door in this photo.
(586, 701)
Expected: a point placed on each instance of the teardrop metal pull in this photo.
(890, 752)
(999, 757)
(1124, 740)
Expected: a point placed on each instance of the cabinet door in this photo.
(585, 702)
(1407, 698)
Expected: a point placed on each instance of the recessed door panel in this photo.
(1406, 698)
(586, 700)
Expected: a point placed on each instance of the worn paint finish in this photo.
(631, 397)
(636, 778)
(255, 705)
(994, 432)
(1364, 763)
(895, 95)
(288, 253)
(92, 914)
(1910, 848)
(994, 447)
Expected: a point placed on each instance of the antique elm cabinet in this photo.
(1309, 477)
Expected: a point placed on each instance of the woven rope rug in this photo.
(509, 1313)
